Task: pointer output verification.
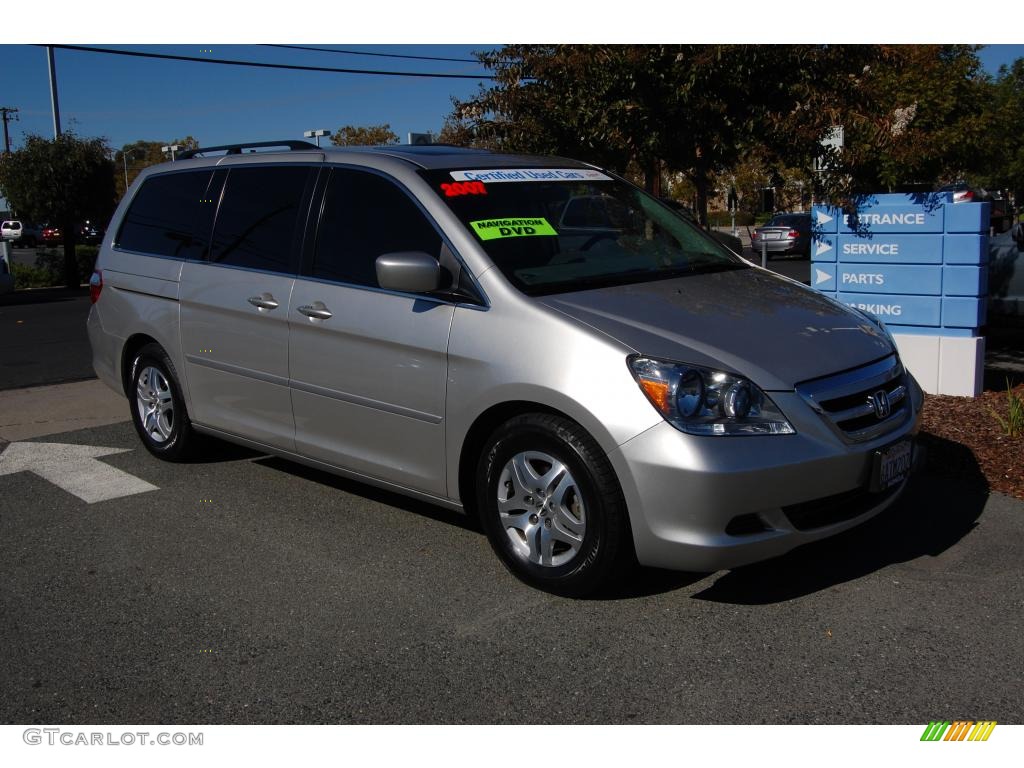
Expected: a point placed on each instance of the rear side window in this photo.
(170, 216)
(258, 217)
(366, 216)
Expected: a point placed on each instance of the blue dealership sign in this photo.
(916, 261)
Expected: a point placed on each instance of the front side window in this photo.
(366, 216)
(170, 216)
(560, 230)
(258, 218)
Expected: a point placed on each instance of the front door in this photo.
(368, 367)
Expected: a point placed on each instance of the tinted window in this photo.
(573, 232)
(170, 216)
(365, 216)
(790, 221)
(258, 217)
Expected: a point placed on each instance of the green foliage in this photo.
(724, 218)
(364, 136)
(694, 109)
(64, 181)
(1005, 149)
(49, 267)
(914, 115)
(27, 276)
(1013, 422)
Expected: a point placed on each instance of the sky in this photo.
(126, 99)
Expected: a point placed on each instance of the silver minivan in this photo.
(530, 339)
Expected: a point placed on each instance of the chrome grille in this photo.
(861, 404)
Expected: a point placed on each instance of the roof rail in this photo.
(236, 149)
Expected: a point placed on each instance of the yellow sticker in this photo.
(493, 229)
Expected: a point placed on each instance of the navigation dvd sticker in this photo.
(494, 229)
(497, 175)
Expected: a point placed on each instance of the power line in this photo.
(367, 53)
(265, 65)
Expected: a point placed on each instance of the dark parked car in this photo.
(90, 234)
(52, 235)
(785, 233)
(1006, 276)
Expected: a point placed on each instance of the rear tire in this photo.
(552, 506)
(158, 408)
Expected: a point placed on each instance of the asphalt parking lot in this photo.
(246, 589)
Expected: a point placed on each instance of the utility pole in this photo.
(53, 92)
(8, 113)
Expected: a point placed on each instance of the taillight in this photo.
(793, 233)
(95, 286)
(754, 235)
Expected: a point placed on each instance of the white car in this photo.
(18, 233)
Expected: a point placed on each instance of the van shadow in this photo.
(940, 506)
(22, 298)
(372, 493)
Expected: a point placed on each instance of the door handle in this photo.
(315, 311)
(264, 301)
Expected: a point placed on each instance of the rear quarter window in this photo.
(170, 216)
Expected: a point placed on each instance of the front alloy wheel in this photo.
(552, 506)
(541, 508)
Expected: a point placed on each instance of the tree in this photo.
(1005, 134)
(694, 109)
(907, 111)
(364, 136)
(63, 181)
(140, 155)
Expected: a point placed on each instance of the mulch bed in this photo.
(964, 441)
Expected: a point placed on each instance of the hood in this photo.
(775, 331)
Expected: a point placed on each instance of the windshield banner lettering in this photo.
(530, 174)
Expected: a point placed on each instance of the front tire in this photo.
(552, 506)
(158, 408)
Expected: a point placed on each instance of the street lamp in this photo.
(316, 134)
(172, 149)
(124, 157)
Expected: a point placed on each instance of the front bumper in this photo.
(701, 503)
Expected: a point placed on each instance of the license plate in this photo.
(772, 235)
(892, 465)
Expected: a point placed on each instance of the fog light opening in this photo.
(746, 525)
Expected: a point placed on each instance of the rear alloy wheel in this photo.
(158, 410)
(552, 506)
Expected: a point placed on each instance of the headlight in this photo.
(702, 401)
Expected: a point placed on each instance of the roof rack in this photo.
(236, 149)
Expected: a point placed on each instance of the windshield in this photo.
(560, 230)
(789, 221)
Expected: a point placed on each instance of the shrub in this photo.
(724, 218)
(1013, 423)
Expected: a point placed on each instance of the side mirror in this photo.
(409, 272)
